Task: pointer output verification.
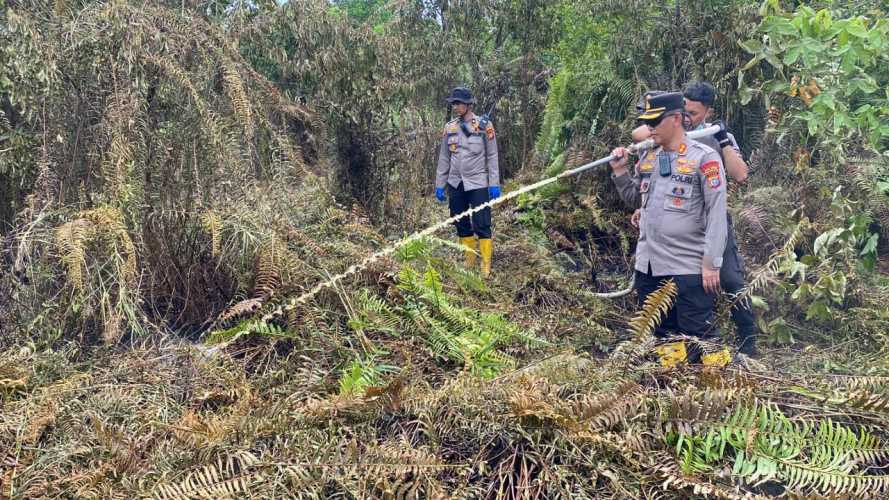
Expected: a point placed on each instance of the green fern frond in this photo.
(809, 456)
(361, 374)
(372, 312)
(245, 327)
(417, 249)
(457, 333)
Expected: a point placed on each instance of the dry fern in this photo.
(110, 226)
(234, 89)
(657, 305)
(533, 397)
(271, 262)
(230, 476)
(200, 432)
(578, 156)
(243, 308)
(604, 411)
(559, 239)
(212, 223)
(770, 269)
(71, 238)
(119, 156)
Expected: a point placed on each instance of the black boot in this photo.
(747, 343)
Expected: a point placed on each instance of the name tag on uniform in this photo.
(687, 179)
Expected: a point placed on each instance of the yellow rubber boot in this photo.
(672, 354)
(718, 359)
(486, 246)
(470, 252)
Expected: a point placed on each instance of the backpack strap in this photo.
(483, 122)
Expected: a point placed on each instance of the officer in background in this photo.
(467, 165)
(681, 185)
(699, 99)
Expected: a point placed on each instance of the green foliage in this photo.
(363, 10)
(415, 250)
(836, 67)
(532, 206)
(381, 89)
(823, 274)
(777, 332)
(531, 214)
(552, 134)
(245, 327)
(820, 72)
(460, 334)
(807, 456)
(361, 374)
(374, 313)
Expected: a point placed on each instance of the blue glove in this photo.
(439, 193)
(494, 192)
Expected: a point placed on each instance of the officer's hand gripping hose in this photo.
(302, 299)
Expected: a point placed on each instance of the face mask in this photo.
(701, 126)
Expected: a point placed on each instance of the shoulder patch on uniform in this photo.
(710, 170)
(489, 130)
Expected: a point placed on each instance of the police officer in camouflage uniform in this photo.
(682, 192)
(468, 167)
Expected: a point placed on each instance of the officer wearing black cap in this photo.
(682, 230)
(699, 100)
(468, 167)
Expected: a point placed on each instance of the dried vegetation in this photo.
(179, 181)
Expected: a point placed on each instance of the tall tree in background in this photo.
(362, 10)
